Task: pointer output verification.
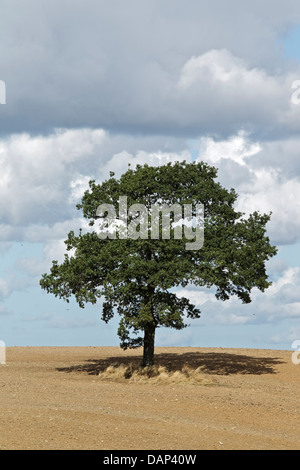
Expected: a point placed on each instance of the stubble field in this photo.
(89, 398)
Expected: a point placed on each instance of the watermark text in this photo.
(296, 354)
(2, 92)
(138, 222)
(2, 352)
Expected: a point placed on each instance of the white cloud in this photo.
(221, 68)
(78, 187)
(269, 192)
(199, 296)
(218, 87)
(263, 185)
(120, 162)
(236, 148)
(36, 173)
(54, 250)
(286, 286)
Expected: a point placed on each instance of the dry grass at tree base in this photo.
(155, 374)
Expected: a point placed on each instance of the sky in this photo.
(92, 86)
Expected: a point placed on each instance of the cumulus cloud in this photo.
(236, 95)
(236, 148)
(221, 69)
(36, 173)
(272, 194)
(263, 184)
(121, 161)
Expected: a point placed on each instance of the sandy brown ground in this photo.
(52, 398)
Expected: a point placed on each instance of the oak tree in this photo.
(137, 277)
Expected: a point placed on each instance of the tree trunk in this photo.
(149, 336)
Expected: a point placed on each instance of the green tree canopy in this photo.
(136, 278)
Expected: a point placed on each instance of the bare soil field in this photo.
(61, 398)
